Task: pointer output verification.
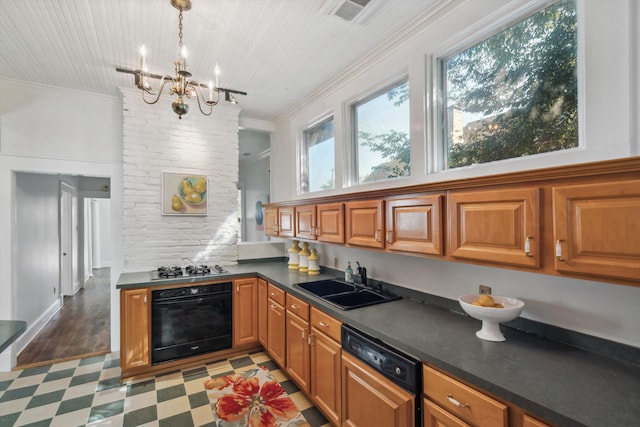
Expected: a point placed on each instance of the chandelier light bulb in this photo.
(216, 72)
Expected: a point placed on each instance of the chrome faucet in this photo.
(362, 272)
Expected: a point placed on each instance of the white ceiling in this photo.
(278, 51)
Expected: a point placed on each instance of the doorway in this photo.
(65, 300)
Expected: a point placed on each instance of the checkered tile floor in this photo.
(89, 392)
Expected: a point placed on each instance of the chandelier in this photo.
(180, 83)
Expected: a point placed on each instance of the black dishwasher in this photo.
(399, 368)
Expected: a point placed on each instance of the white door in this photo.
(66, 246)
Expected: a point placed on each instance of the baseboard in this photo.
(35, 328)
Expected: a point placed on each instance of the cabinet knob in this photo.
(559, 250)
(527, 245)
(323, 324)
(294, 307)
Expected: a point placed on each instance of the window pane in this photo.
(318, 158)
(382, 135)
(515, 94)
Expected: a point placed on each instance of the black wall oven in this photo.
(189, 321)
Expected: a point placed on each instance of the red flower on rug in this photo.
(252, 399)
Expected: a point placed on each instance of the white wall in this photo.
(608, 120)
(101, 232)
(254, 178)
(156, 141)
(50, 131)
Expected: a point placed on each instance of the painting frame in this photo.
(184, 194)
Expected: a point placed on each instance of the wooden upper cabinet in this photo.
(330, 223)
(286, 221)
(597, 229)
(415, 225)
(271, 221)
(496, 226)
(279, 221)
(365, 223)
(305, 225)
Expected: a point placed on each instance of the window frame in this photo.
(480, 35)
(303, 160)
(352, 140)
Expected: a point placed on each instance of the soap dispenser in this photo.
(348, 273)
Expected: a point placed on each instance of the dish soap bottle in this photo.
(348, 273)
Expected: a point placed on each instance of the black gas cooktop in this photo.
(188, 271)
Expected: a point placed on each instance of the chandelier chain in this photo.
(180, 29)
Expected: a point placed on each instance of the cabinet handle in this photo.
(389, 236)
(377, 235)
(309, 339)
(324, 325)
(293, 306)
(273, 294)
(559, 250)
(317, 231)
(237, 288)
(304, 331)
(455, 402)
(274, 306)
(527, 246)
(145, 299)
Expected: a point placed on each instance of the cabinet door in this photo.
(298, 356)
(245, 311)
(135, 328)
(286, 221)
(365, 223)
(597, 229)
(325, 375)
(330, 222)
(271, 221)
(497, 226)
(263, 308)
(276, 333)
(306, 222)
(368, 399)
(435, 416)
(415, 225)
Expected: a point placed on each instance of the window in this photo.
(318, 159)
(516, 93)
(381, 135)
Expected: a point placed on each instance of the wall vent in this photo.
(349, 9)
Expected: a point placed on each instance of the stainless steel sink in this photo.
(345, 296)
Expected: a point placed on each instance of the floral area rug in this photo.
(252, 399)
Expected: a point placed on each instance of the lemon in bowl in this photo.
(491, 310)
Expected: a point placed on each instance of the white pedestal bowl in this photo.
(491, 317)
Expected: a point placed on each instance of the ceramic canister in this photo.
(304, 258)
(314, 263)
(294, 255)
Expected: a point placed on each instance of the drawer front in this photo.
(276, 294)
(326, 324)
(468, 404)
(297, 306)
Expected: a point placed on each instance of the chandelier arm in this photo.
(197, 88)
(158, 93)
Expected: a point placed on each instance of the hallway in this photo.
(80, 328)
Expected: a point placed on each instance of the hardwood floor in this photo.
(81, 328)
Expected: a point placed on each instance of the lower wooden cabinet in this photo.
(369, 399)
(135, 328)
(276, 325)
(450, 402)
(325, 365)
(245, 311)
(298, 354)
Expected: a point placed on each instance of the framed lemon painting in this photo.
(184, 194)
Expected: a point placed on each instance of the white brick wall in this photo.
(155, 141)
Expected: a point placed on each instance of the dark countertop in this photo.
(10, 330)
(556, 382)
